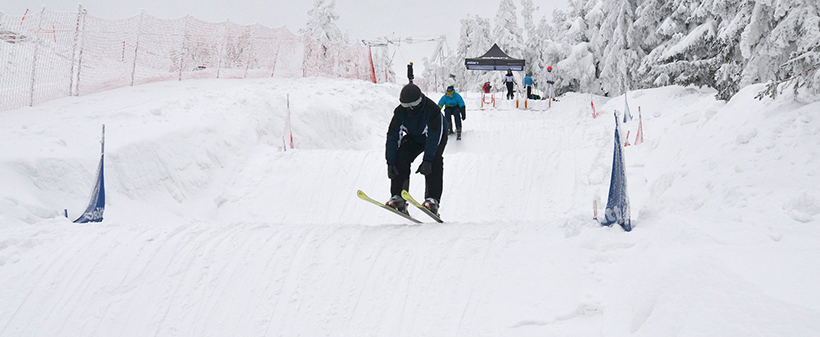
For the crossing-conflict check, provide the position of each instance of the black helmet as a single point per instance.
(410, 95)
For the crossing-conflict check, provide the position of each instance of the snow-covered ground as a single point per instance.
(211, 229)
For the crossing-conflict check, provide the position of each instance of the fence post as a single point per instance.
(222, 48)
(80, 55)
(250, 49)
(36, 51)
(276, 55)
(74, 51)
(182, 47)
(305, 42)
(136, 47)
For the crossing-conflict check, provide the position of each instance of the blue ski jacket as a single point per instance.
(527, 80)
(423, 125)
(456, 100)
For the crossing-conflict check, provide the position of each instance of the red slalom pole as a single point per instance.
(592, 104)
(639, 135)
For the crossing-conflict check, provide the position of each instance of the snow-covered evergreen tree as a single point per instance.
(621, 54)
(609, 46)
(533, 37)
(383, 65)
(569, 50)
(507, 33)
(475, 39)
(322, 21)
(775, 31)
(802, 71)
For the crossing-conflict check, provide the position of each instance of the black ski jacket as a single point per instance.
(423, 125)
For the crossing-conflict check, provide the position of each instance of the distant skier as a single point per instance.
(549, 90)
(417, 127)
(453, 105)
(528, 85)
(509, 80)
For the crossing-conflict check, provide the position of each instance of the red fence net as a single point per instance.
(47, 55)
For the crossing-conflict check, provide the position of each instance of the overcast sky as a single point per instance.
(360, 19)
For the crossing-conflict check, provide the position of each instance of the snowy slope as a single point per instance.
(212, 229)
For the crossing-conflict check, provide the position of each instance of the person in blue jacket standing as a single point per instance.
(528, 85)
(453, 105)
(417, 127)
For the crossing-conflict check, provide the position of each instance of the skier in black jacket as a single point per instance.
(417, 127)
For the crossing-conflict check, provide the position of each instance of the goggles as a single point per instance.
(412, 104)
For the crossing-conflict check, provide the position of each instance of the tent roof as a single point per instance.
(494, 59)
(495, 52)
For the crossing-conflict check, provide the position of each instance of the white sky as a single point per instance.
(360, 19)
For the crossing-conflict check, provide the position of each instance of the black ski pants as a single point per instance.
(408, 151)
(450, 112)
(510, 90)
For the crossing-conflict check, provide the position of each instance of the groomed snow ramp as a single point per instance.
(617, 206)
(96, 205)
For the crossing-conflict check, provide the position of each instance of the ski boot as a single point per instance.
(431, 205)
(458, 134)
(397, 203)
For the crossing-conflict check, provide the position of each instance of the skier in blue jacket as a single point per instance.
(453, 105)
(417, 127)
(528, 85)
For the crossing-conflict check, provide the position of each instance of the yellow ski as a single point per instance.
(391, 209)
(406, 196)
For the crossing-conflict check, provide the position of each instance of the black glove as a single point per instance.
(464, 113)
(425, 168)
(392, 172)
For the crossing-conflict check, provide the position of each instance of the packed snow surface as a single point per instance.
(212, 229)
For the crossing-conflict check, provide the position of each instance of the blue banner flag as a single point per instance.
(96, 205)
(617, 207)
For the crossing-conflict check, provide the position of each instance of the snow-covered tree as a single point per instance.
(383, 65)
(322, 22)
(683, 47)
(621, 54)
(474, 41)
(569, 50)
(533, 38)
(800, 27)
(507, 33)
(609, 46)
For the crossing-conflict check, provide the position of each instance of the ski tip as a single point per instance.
(406, 195)
(360, 194)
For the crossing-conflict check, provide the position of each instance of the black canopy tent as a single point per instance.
(494, 59)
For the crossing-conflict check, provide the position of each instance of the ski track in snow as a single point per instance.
(211, 229)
